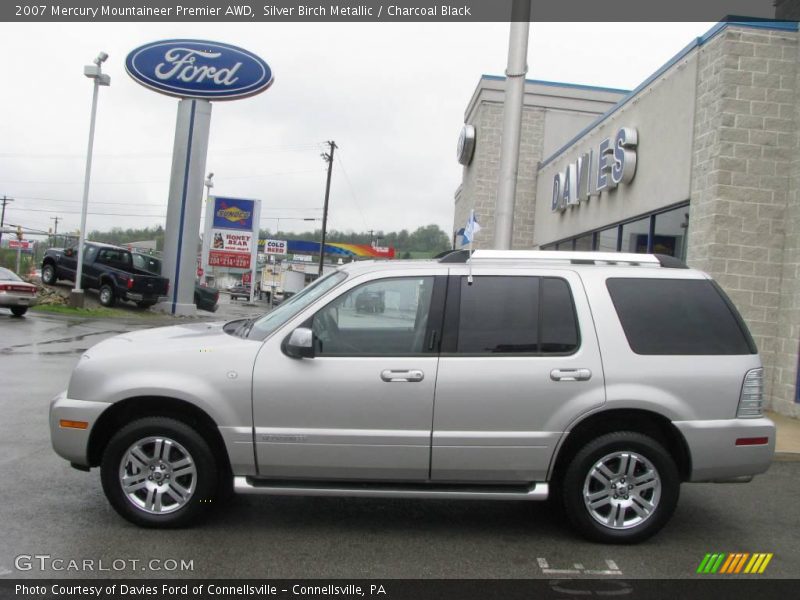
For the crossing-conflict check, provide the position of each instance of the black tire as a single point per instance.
(107, 297)
(18, 311)
(49, 274)
(206, 477)
(664, 496)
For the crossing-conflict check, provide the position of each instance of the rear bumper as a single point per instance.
(12, 299)
(68, 442)
(139, 297)
(715, 454)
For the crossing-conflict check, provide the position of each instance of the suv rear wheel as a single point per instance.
(159, 472)
(620, 488)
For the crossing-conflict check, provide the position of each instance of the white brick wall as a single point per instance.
(479, 184)
(742, 214)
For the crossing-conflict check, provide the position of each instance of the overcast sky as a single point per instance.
(392, 96)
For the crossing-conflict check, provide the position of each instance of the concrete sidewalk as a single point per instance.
(788, 433)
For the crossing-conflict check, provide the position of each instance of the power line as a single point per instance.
(154, 181)
(157, 204)
(352, 192)
(229, 151)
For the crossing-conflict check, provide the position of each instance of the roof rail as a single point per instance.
(453, 256)
(576, 258)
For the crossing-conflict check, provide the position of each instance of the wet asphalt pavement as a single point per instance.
(49, 509)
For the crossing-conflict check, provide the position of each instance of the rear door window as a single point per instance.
(514, 315)
(678, 317)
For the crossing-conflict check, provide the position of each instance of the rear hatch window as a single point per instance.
(679, 317)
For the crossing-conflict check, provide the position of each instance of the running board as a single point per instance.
(250, 485)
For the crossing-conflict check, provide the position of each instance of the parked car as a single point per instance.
(16, 294)
(371, 302)
(205, 298)
(107, 269)
(604, 380)
(239, 291)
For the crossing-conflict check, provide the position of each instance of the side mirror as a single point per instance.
(299, 344)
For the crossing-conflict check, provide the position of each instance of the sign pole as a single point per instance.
(254, 248)
(185, 204)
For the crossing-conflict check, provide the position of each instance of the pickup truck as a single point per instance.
(205, 298)
(108, 269)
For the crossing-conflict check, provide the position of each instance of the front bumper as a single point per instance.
(715, 455)
(68, 442)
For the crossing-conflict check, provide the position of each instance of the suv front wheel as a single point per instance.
(620, 488)
(159, 472)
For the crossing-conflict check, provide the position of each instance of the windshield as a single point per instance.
(271, 321)
(6, 275)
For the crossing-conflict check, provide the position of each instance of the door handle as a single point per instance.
(392, 376)
(570, 374)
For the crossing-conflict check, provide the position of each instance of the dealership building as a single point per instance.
(701, 161)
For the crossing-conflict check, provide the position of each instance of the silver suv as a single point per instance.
(601, 380)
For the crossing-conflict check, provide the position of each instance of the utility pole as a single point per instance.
(3, 216)
(55, 230)
(327, 156)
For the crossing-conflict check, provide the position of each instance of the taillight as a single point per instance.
(3, 288)
(130, 283)
(751, 400)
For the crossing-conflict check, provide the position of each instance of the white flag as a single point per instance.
(472, 227)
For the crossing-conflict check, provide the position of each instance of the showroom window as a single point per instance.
(657, 233)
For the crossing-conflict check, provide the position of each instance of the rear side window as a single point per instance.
(512, 315)
(678, 317)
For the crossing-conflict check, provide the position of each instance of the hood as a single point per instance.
(191, 337)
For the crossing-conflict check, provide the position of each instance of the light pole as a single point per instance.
(94, 72)
(209, 183)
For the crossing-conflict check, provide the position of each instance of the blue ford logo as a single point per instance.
(198, 69)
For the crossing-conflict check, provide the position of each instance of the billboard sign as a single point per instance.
(231, 238)
(198, 69)
(232, 213)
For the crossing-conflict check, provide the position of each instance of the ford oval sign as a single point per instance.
(198, 69)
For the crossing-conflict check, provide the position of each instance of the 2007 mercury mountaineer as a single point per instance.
(604, 380)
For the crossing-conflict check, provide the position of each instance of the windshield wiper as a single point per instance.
(247, 326)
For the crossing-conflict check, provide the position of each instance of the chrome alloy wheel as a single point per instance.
(157, 475)
(105, 295)
(622, 490)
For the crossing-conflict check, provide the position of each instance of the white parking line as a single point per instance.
(579, 569)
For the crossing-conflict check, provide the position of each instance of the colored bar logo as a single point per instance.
(734, 563)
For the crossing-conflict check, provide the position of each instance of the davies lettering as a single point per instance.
(604, 168)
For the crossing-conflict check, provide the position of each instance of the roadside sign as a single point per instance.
(246, 278)
(21, 244)
(275, 247)
(199, 272)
